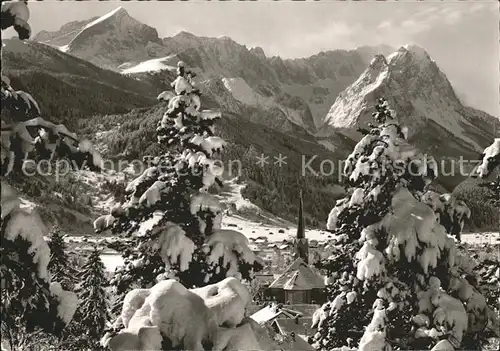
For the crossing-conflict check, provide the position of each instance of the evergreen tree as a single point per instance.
(171, 221)
(31, 302)
(490, 159)
(397, 278)
(490, 162)
(489, 269)
(92, 313)
(494, 186)
(59, 265)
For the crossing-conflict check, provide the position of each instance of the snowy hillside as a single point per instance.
(420, 93)
(244, 93)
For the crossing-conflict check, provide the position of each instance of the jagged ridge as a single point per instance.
(417, 89)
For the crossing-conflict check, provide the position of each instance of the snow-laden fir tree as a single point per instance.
(31, 300)
(488, 268)
(59, 263)
(491, 161)
(92, 313)
(172, 222)
(397, 279)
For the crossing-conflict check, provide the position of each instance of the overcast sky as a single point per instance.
(462, 37)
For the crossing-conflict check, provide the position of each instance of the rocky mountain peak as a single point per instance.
(259, 52)
(112, 37)
(378, 62)
(410, 55)
(184, 35)
(416, 88)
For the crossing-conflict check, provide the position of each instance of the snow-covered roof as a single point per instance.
(264, 278)
(299, 276)
(271, 312)
(289, 325)
(299, 344)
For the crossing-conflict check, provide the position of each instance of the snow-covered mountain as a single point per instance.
(106, 40)
(423, 98)
(298, 90)
(64, 35)
(291, 95)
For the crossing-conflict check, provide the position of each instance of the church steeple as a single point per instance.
(301, 243)
(300, 227)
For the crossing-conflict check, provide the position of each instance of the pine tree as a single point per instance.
(171, 221)
(59, 265)
(490, 162)
(92, 313)
(398, 279)
(31, 302)
(488, 269)
(490, 159)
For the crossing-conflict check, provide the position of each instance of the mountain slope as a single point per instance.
(68, 88)
(272, 188)
(62, 36)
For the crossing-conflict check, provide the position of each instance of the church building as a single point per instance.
(300, 283)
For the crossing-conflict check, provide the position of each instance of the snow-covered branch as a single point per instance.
(490, 159)
(164, 315)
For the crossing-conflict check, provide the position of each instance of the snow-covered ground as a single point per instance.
(102, 200)
(490, 238)
(241, 215)
(273, 233)
(244, 93)
(111, 261)
(245, 217)
(254, 222)
(154, 65)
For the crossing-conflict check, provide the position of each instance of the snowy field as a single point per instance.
(112, 259)
(256, 224)
(243, 215)
(273, 233)
(490, 238)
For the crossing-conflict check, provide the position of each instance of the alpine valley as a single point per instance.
(102, 75)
